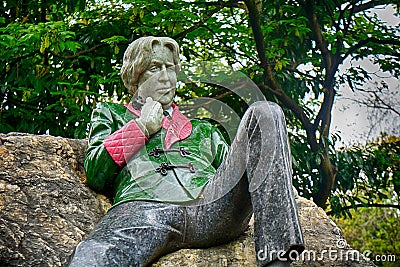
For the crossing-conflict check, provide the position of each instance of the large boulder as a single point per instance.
(46, 209)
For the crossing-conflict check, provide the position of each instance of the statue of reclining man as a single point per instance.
(175, 182)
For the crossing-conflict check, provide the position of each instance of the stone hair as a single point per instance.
(138, 55)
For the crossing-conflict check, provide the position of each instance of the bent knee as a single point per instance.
(266, 108)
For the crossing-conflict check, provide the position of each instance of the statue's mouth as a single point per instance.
(164, 90)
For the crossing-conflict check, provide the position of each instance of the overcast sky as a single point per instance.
(354, 122)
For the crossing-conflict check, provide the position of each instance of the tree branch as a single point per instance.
(83, 51)
(298, 111)
(302, 74)
(273, 85)
(383, 104)
(331, 16)
(323, 119)
(198, 24)
(370, 4)
(346, 24)
(331, 65)
(254, 18)
(237, 52)
(316, 29)
(16, 60)
(231, 3)
(370, 40)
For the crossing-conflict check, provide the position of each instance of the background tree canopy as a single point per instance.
(59, 59)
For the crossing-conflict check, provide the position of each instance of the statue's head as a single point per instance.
(143, 59)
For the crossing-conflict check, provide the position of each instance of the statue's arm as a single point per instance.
(114, 138)
(220, 147)
(99, 166)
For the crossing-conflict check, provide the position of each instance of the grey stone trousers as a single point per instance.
(254, 177)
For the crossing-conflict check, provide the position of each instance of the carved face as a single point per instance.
(159, 80)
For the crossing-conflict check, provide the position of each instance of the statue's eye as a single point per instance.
(155, 68)
(171, 68)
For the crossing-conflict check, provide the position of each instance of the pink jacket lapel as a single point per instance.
(178, 128)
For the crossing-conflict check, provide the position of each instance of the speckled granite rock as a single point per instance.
(46, 209)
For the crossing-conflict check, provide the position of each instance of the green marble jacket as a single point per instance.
(141, 175)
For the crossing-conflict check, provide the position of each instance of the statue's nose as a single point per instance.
(163, 74)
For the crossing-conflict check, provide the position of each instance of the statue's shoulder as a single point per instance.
(113, 112)
(207, 122)
(200, 122)
(109, 107)
(204, 124)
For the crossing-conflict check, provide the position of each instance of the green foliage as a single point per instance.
(51, 78)
(59, 59)
(375, 230)
(366, 198)
(369, 176)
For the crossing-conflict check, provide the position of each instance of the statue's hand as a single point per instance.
(151, 117)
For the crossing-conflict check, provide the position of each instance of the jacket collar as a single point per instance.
(178, 127)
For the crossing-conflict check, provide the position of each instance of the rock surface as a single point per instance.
(46, 209)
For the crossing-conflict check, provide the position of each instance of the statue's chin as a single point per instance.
(167, 106)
